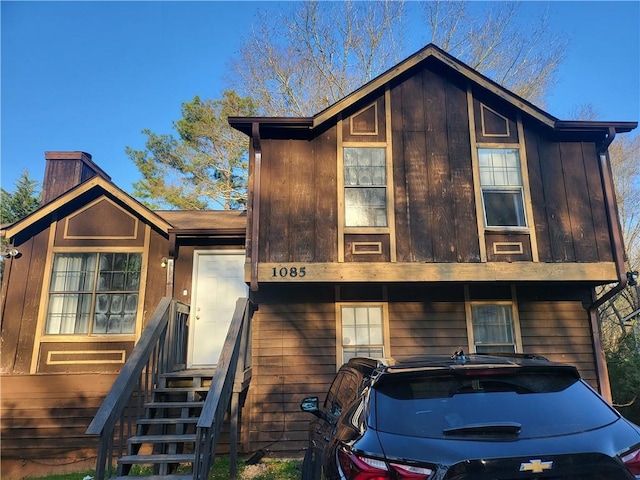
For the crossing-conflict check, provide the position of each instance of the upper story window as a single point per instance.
(93, 293)
(365, 187)
(502, 190)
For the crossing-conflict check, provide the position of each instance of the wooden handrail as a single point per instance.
(159, 349)
(219, 395)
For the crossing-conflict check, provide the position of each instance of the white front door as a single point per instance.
(218, 281)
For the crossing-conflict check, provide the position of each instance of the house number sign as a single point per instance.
(288, 272)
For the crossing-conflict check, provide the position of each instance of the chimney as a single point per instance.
(65, 170)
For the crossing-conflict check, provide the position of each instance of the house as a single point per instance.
(87, 271)
(428, 211)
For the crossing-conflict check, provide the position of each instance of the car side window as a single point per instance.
(332, 394)
(342, 393)
(348, 389)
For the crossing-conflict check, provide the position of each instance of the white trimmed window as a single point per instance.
(365, 187)
(493, 327)
(362, 331)
(502, 190)
(93, 293)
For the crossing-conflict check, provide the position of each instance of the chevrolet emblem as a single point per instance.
(535, 466)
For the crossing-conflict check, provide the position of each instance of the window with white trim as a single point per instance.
(365, 187)
(93, 293)
(502, 190)
(362, 331)
(493, 327)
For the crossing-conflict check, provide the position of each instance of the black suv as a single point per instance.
(467, 417)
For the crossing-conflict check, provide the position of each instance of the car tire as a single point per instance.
(310, 470)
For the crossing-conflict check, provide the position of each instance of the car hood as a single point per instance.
(610, 440)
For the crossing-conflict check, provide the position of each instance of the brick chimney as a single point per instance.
(65, 170)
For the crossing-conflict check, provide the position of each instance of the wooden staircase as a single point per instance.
(175, 435)
(164, 444)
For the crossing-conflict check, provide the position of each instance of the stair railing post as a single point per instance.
(233, 436)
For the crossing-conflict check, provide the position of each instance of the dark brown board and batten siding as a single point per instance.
(298, 206)
(568, 200)
(22, 302)
(434, 201)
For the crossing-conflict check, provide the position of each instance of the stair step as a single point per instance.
(173, 476)
(166, 421)
(202, 373)
(157, 459)
(180, 389)
(174, 405)
(163, 438)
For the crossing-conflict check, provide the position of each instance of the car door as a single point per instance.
(341, 395)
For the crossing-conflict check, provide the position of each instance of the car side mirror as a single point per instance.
(310, 405)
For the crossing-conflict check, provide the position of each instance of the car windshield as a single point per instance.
(526, 405)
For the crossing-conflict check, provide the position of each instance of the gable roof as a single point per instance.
(96, 182)
(431, 51)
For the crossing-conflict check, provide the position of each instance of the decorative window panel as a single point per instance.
(93, 293)
(365, 187)
(502, 191)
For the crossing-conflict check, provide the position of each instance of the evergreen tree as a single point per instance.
(14, 206)
(204, 165)
(24, 200)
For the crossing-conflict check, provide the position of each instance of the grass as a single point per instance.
(269, 469)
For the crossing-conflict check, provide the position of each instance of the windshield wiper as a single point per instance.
(485, 429)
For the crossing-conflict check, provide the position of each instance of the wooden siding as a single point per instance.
(559, 331)
(98, 222)
(65, 170)
(568, 200)
(44, 418)
(486, 112)
(294, 343)
(371, 122)
(293, 356)
(435, 217)
(24, 282)
(426, 328)
(24, 290)
(298, 206)
(434, 200)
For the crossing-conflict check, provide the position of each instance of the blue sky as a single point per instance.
(91, 75)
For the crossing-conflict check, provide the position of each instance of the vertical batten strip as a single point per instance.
(340, 192)
(527, 191)
(390, 179)
(476, 176)
(144, 268)
(44, 299)
(516, 320)
(469, 318)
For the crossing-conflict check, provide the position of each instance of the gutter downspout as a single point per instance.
(617, 244)
(255, 217)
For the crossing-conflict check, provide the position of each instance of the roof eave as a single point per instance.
(244, 124)
(93, 182)
(597, 126)
(453, 63)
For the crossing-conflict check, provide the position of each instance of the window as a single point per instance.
(493, 329)
(502, 192)
(342, 392)
(93, 293)
(362, 332)
(365, 187)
